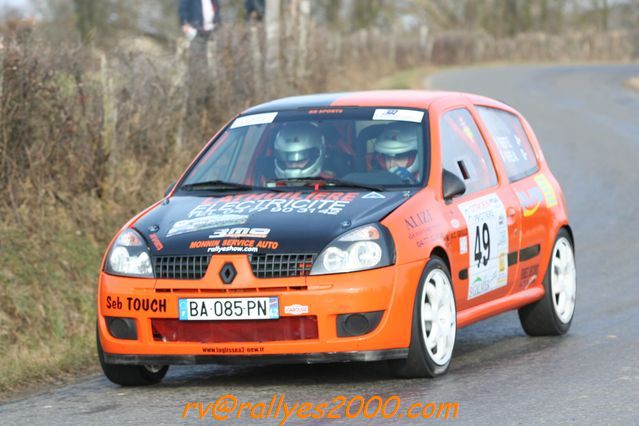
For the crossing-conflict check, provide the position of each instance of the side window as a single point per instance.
(511, 141)
(464, 151)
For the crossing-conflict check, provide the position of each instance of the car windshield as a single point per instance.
(372, 148)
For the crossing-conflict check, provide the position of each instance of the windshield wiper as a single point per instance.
(218, 185)
(328, 182)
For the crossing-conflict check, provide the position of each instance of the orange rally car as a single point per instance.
(341, 227)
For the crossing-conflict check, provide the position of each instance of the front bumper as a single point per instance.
(315, 358)
(391, 290)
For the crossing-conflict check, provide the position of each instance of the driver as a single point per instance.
(299, 151)
(396, 151)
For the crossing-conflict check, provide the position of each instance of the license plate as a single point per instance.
(244, 308)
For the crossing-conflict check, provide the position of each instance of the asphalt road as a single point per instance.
(588, 125)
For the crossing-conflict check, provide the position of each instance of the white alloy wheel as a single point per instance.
(563, 280)
(438, 316)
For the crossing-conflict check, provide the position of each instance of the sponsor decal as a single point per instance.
(199, 223)
(503, 261)
(156, 242)
(234, 245)
(328, 203)
(530, 199)
(547, 190)
(421, 228)
(373, 195)
(462, 236)
(488, 240)
(270, 245)
(528, 275)
(418, 219)
(233, 350)
(326, 111)
(296, 309)
(399, 115)
(463, 245)
(255, 119)
(241, 233)
(455, 234)
(139, 304)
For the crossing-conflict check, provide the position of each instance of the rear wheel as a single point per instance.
(434, 325)
(131, 375)
(552, 315)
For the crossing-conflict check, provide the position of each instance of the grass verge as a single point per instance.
(48, 276)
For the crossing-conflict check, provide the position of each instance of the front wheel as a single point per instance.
(552, 315)
(131, 375)
(434, 325)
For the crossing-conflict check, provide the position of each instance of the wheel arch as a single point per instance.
(441, 253)
(568, 229)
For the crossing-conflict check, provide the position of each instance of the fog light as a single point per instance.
(122, 328)
(357, 324)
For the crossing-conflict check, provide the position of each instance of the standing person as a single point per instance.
(198, 19)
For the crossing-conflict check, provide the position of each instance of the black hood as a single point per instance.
(261, 222)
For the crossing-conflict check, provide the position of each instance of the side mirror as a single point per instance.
(169, 189)
(452, 185)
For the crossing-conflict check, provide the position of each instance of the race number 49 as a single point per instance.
(482, 245)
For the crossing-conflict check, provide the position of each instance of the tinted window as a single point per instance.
(511, 141)
(464, 151)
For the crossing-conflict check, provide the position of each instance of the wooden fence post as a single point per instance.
(1, 66)
(256, 60)
(291, 33)
(109, 123)
(272, 18)
(179, 86)
(303, 42)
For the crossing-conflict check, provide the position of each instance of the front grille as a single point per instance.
(282, 329)
(181, 267)
(281, 265)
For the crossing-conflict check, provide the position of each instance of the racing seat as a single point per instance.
(339, 156)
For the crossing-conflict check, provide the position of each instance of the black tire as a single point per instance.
(420, 363)
(541, 318)
(130, 375)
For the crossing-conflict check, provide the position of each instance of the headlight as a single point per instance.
(366, 247)
(129, 256)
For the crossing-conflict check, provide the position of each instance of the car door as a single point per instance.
(534, 192)
(485, 220)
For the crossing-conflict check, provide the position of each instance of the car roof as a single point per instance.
(421, 99)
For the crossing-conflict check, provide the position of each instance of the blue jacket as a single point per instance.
(191, 12)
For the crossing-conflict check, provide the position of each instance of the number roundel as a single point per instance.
(488, 236)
